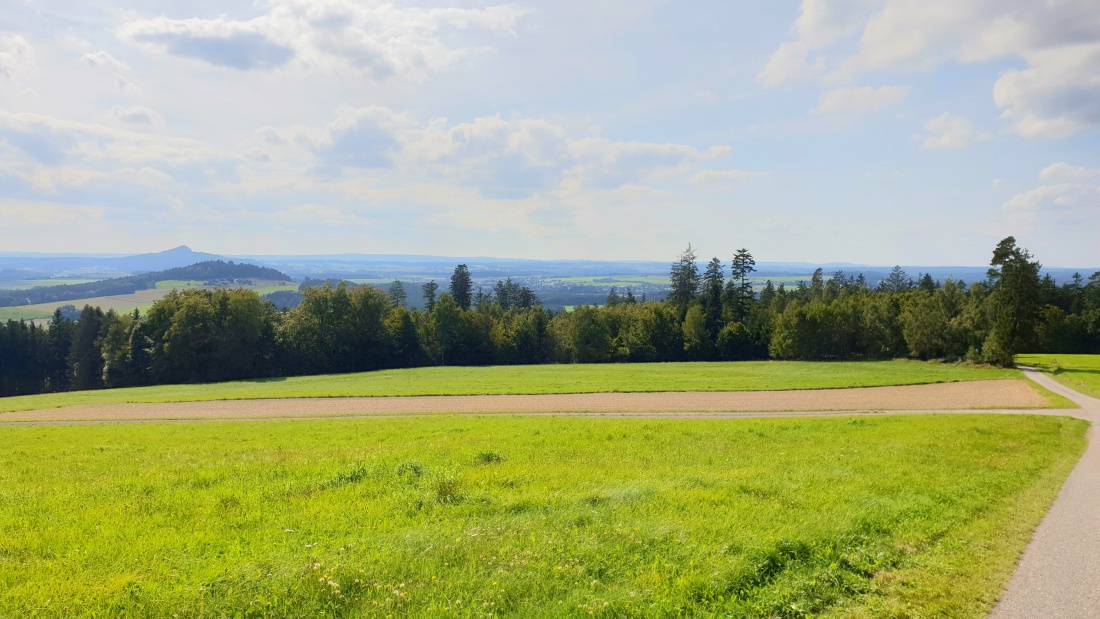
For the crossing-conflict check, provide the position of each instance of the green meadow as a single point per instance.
(1080, 372)
(535, 379)
(899, 516)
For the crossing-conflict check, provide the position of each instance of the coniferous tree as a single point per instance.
(713, 280)
(85, 360)
(397, 294)
(898, 281)
(817, 284)
(927, 284)
(528, 298)
(462, 287)
(482, 300)
(767, 294)
(613, 298)
(430, 289)
(741, 270)
(1014, 302)
(684, 278)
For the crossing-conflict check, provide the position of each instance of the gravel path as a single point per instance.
(990, 394)
(1058, 576)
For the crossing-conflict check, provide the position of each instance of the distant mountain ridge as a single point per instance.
(52, 264)
(402, 266)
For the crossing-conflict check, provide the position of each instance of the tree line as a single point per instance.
(201, 335)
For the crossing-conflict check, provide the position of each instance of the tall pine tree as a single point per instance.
(742, 268)
(462, 287)
(684, 278)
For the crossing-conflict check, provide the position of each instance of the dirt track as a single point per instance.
(994, 394)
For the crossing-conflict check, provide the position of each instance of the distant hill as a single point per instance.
(173, 258)
(55, 264)
(208, 271)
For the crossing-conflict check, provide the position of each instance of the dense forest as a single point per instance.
(203, 271)
(710, 314)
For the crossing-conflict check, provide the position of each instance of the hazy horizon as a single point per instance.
(870, 132)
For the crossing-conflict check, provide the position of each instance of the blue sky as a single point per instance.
(870, 131)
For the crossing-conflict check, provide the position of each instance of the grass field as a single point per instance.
(534, 379)
(1080, 372)
(904, 516)
(141, 300)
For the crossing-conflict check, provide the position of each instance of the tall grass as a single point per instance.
(905, 516)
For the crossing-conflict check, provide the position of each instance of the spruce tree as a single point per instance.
(712, 297)
(1013, 304)
(462, 287)
(397, 294)
(742, 268)
(430, 289)
(684, 278)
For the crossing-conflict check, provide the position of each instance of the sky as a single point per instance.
(867, 131)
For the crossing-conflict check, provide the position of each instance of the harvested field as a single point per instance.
(990, 394)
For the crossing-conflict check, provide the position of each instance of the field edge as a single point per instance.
(974, 564)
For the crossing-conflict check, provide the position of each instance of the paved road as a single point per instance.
(1058, 576)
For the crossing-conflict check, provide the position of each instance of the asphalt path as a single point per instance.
(1058, 576)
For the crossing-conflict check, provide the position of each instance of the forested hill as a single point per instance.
(211, 270)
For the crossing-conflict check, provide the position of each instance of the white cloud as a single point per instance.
(1058, 94)
(103, 60)
(377, 40)
(859, 100)
(950, 131)
(16, 57)
(820, 24)
(789, 62)
(110, 66)
(13, 213)
(137, 115)
(1069, 193)
(707, 177)
(1062, 171)
(45, 141)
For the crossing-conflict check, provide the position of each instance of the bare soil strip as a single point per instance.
(992, 394)
(1058, 576)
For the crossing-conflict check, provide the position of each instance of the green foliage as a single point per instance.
(462, 287)
(697, 343)
(397, 294)
(430, 289)
(684, 278)
(1013, 304)
(623, 518)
